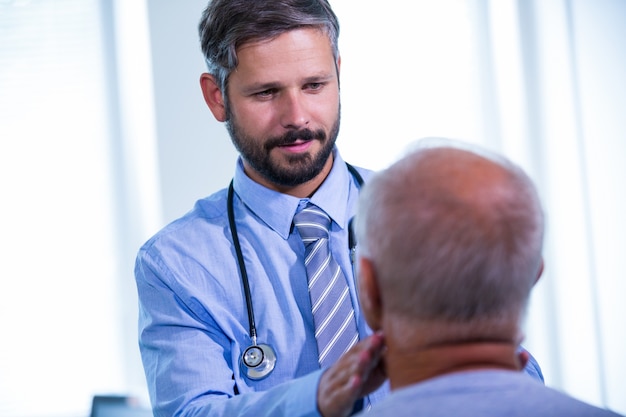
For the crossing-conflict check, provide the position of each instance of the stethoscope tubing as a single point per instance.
(267, 363)
(242, 266)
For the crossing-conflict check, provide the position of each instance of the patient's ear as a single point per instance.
(369, 293)
(540, 272)
(213, 96)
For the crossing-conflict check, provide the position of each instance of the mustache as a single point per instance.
(294, 135)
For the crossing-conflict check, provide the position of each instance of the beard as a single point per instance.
(300, 168)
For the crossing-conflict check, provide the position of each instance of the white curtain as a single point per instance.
(574, 61)
(72, 214)
(544, 83)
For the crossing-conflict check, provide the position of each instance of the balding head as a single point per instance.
(453, 236)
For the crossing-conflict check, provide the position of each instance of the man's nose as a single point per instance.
(293, 112)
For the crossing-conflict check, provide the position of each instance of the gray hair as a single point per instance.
(446, 252)
(227, 24)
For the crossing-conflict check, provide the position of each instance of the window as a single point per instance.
(65, 291)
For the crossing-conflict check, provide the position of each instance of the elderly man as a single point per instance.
(450, 246)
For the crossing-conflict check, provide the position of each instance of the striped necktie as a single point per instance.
(333, 314)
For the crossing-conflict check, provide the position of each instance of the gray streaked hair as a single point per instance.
(443, 254)
(227, 24)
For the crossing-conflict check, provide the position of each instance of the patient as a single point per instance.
(450, 246)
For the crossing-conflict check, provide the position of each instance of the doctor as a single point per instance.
(228, 325)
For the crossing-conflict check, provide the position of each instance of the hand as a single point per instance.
(357, 373)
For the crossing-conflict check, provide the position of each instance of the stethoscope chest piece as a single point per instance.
(257, 361)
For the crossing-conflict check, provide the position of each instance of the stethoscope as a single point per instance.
(258, 360)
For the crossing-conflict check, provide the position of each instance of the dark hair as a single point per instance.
(227, 24)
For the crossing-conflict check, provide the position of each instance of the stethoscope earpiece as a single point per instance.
(257, 361)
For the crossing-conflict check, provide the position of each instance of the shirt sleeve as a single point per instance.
(187, 361)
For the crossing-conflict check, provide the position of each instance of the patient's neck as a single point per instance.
(432, 350)
(406, 368)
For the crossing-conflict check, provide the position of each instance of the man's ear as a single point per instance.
(369, 293)
(213, 96)
(338, 67)
(540, 272)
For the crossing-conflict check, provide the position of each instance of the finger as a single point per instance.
(348, 379)
(370, 357)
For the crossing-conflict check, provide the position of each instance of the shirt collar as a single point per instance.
(277, 209)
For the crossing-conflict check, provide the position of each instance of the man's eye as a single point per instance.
(314, 86)
(265, 93)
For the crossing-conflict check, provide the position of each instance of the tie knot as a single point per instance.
(312, 223)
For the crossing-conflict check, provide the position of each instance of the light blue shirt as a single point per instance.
(193, 322)
(483, 393)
